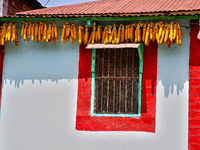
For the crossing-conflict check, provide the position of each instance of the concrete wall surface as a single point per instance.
(39, 97)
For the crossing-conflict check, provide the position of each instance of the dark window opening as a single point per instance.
(116, 81)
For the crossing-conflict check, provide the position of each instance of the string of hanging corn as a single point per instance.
(136, 33)
(111, 34)
(8, 32)
(39, 32)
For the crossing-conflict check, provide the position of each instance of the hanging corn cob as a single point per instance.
(132, 32)
(151, 30)
(139, 32)
(119, 34)
(114, 41)
(144, 31)
(86, 36)
(126, 33)
(110, 34)
(171, 31)
(8, 32)
(104, 35)
(147, 35)
(80, 35)
(99, 30)
(122, 33)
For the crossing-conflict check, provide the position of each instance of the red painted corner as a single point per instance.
(194, 90)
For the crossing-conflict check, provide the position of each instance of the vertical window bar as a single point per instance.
(108, 80)
(102, 83)
(114, 82)
(126, 90)
(132, 81)
(96, 82)
(120, 82)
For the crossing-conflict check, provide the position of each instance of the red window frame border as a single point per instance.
(145, 123)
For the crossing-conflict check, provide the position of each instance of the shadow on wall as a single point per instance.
(40, 61)
(173, 65)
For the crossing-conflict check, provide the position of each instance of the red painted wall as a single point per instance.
(148, 112)
(194, 89)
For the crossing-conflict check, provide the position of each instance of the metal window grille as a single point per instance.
(116, 81)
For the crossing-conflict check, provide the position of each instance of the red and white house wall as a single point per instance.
(46, 96)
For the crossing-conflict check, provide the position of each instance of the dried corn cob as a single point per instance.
(122, 33)
(147, 35)
(119, 35)
(86, 35)
(126, 34)
(63, 36)
(99, 30)
(167, 34)
(144, 31)
(80, 35)
(132, 32)
(171, 31)
(75, 32)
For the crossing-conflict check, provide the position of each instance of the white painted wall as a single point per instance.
(39, 101)
(3, 8)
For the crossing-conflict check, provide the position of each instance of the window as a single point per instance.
(145, 121)
(116, 90)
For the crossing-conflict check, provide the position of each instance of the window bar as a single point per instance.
(132, 81)
(102, 83)
(120, 81)
(114, 82)
(96, 82)
(126, 81)
(108, 80)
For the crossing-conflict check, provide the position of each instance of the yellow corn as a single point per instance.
(86, 35)
(90, 40)
(144, 31)
(122, 33)
(80, 38)
(63, 32)
(104, 35)
(119, 35)
(162, 35)
(166, 34)
(147, 35)
(99, 33)
(171, 31)
(75, 32)
(22, 31)
(13, 32)
(126, 34)
(174, 32)
(49, 32)
(139, 33)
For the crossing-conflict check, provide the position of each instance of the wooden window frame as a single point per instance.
(93, 68)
